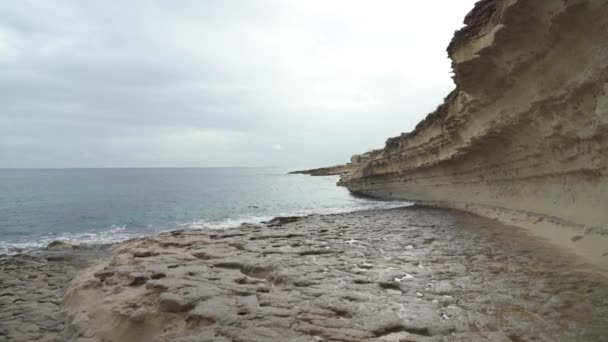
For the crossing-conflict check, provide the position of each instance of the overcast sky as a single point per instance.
(290, 83)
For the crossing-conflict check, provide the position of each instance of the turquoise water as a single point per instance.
(111, 205)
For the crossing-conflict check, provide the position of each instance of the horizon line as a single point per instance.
(139, 167)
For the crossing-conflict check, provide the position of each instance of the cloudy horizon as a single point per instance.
(282, 83)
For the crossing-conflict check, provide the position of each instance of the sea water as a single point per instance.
(110, 205)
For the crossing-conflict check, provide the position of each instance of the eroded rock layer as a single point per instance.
(526, 129)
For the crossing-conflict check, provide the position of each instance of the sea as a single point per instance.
(101, 206)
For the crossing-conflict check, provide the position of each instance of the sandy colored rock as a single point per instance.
(170, 302)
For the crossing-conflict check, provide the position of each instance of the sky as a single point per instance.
(218, 83)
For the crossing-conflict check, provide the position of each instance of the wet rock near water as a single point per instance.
(60, 246)
(281, 220)
(411, 274)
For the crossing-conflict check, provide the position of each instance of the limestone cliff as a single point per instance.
(525, 132)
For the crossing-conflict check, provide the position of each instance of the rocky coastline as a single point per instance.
(338, 170)
(525, 130)
(32, 286)
(524, 136)
(522, 141)
(406, 274)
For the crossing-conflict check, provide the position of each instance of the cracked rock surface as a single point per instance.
(31, 290)
(408, 274)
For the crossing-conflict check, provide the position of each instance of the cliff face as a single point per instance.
(525, 132)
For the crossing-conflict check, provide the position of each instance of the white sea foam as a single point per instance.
(236, 222)
(223, 224)
(112, 235)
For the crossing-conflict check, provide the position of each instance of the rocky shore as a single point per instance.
(32, 287)
(407, 274)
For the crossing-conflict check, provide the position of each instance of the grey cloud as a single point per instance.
(191, 83)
